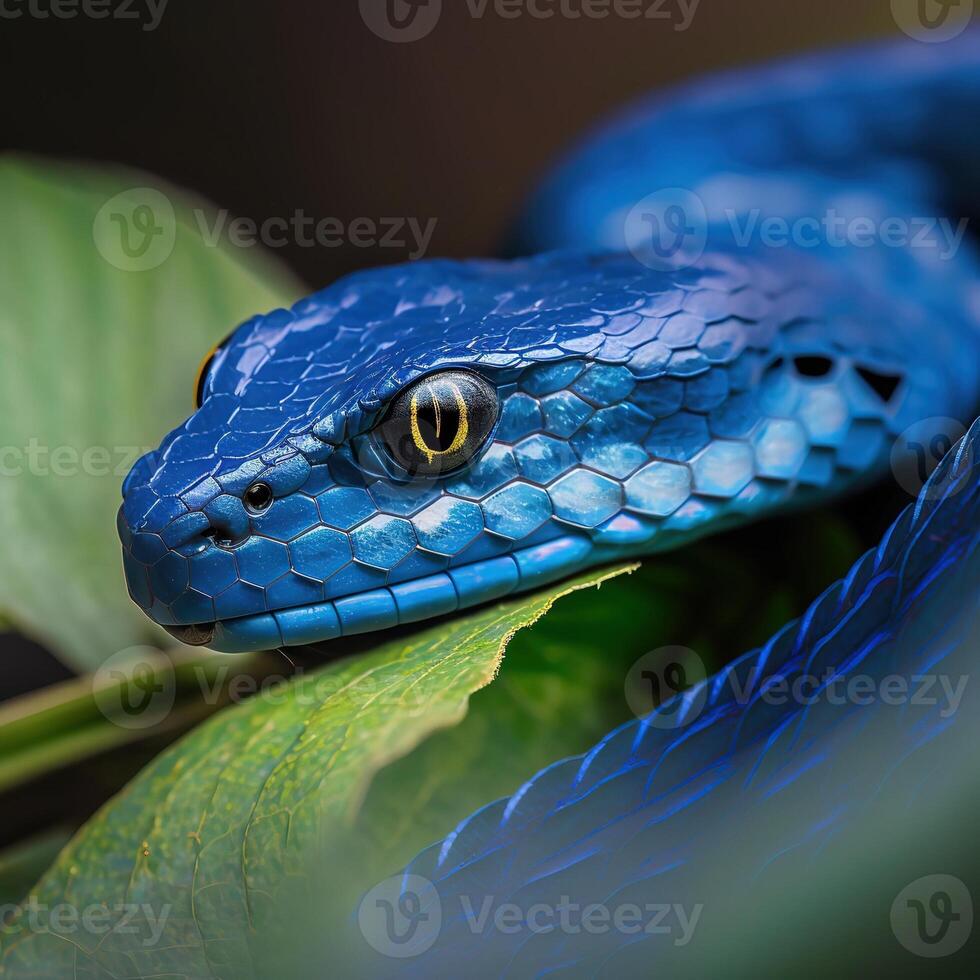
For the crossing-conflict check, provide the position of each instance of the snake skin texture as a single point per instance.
(732, 795)
(732, 807)
(638, 407)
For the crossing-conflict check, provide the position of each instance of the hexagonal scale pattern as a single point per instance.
(658, 489)
(517, 510)
(449, 525)
(723, 469)
(586, 498)
(542, 458)
(320, 553)
(632, 402)
(383, 541)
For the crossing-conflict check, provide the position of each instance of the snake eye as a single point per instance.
(258, 498)
(438, 424)
(202, 372)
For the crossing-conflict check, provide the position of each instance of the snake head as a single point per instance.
(415, 440)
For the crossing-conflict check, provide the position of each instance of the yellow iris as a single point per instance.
(462, 430)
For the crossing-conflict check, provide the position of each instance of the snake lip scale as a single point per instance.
(418, 600)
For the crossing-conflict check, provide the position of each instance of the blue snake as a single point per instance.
(416, 440)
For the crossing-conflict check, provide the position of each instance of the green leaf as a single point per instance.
(561, 689)
(273, 818)
(211, 837)
(100, 350)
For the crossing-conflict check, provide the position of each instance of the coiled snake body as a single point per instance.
(415, 440)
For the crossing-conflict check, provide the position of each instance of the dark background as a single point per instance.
(269, 108)
(265, 108)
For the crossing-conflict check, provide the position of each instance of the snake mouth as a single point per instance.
(396, 605)
(195, 635)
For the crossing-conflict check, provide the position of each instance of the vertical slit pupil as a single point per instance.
(438, 418)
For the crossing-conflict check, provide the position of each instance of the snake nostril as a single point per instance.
(220, 538)
(193, 532)
(221, 533)
(215, 535)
